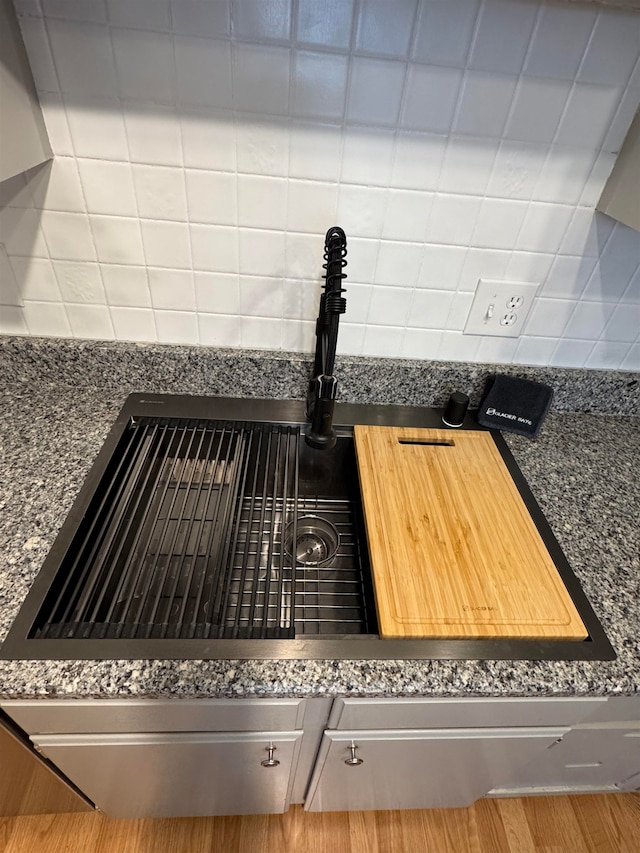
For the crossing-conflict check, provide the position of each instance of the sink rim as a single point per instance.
(18, 646)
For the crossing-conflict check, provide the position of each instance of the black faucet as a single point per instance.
(321, 396)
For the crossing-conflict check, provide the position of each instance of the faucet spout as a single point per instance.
(323, 386)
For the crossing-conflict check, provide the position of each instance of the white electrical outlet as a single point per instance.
(500, 308)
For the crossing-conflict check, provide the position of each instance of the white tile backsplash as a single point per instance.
(202, 149)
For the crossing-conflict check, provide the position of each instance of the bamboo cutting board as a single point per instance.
(454, 551)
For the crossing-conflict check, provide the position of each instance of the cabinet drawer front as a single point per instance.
(444, 768)
(179, 775)
(419, 713)
(148, 715)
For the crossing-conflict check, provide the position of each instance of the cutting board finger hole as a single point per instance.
(426, 443)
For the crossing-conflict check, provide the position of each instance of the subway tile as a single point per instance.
(261, 78)
(117, 239)
(254, 19)
(79, 282)
(607, 355)
(588, 320)
(564, 174)
(549, 317)
(90, 321)
(203, 72)
(11, 285)
(568, 276)
(97, 130)
(559, 41)
(154, 135)
(303, 254)
(500, 350)
(459, 311)
(483, 263)
(83, 57)
(361, 258)
(407, 215)
(133, 324)
(484, 103)
(588, 115)
(172, 289)
(326, 24)
(311, 206)
(544, 227)
(632, 359)
(217, 293)
(261, 297)
(219, 330)
(47, 319)
(613, 49)
(441, 267)
(166, 244)
(68, 235)
(502, 36)
(596, 179)
(176, 327)
(126, 286)
(358, 302)
(529, 266)
(261, 332)
(315, 152)
(144, 65)
(108, 187)
(398, 263)
(201, 17)
(57, 126)
(390, 306)
(21, 232)
(454, 346)
(262, 202)
(367, 157)
(587, 233)
(632, 293)
(261, 252)
(443, 32)
(430, 309)
(143, 14)
(499, 223)
(421, 343)
(430, 98)
(361, 210)
(319, 85)
(351, 338)
(262, 146)
(208, 140)
(35, 279)
(467, 166)
(537, 109)
(453, 219)
(385, 28)
(160, 192)
(418, 160)
(375, 91)
(624, 115)
(56, 186)
(214, 248)
(212, 197)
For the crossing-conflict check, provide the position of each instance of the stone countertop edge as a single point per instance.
(59, 399)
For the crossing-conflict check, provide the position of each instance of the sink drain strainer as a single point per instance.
(316, 541)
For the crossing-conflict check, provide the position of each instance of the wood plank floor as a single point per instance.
(579, 824)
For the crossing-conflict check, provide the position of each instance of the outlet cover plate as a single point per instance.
(492, 310)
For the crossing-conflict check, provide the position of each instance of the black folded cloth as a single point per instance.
(515, 405)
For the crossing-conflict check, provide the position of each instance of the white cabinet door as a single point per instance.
(586, 759)
(419, 769)
(178, 774)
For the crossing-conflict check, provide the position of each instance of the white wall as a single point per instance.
(203, 147)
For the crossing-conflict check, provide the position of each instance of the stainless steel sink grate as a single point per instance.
(185, 539)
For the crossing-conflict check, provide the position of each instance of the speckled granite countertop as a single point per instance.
(583, 470)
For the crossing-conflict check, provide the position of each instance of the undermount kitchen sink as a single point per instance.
(208, 528)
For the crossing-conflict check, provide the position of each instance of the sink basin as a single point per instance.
(207, 528)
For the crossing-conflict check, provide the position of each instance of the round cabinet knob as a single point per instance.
(270, 761)
(353, 760)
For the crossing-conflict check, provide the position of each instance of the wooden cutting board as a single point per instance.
(454, 551)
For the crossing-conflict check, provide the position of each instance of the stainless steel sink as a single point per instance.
(207, 528)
